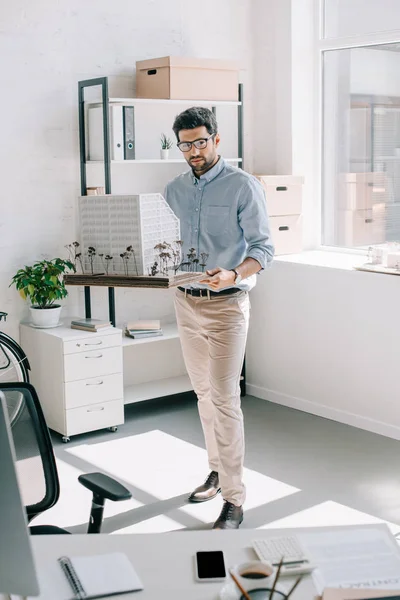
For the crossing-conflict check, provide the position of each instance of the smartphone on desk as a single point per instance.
(210, 566)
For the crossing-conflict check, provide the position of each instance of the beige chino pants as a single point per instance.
(213, 334)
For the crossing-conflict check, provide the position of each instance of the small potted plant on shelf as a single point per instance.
(166, 145)
(43, 284)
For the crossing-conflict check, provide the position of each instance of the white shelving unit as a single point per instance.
(152, 367)
(157, 389)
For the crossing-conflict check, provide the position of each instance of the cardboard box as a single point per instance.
(283, 194)
(392, 260)
(287, 234)
(361, 227)
(362, 190)
(184, 78)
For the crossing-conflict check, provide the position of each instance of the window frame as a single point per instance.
(323, 45)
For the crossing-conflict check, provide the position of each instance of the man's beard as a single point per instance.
(202, 163)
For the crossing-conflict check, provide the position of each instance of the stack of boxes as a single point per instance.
(361, 214)
(284, 206)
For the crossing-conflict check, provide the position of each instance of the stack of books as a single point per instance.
(90, 324)
(143, 329)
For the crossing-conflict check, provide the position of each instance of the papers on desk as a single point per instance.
(360, 559)
(347, 594)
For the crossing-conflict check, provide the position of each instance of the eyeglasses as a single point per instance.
(200, 144)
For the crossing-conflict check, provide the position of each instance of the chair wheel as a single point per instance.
(113, 429)
(65, 439)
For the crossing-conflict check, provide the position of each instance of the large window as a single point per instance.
(360, 131)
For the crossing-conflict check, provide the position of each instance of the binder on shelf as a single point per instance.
(122, 133)
(128, 118)
(117, 133)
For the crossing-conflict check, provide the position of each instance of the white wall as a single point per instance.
(272, 121)
(324, 340)
(285, 135)
(305, 120)
(47, 47)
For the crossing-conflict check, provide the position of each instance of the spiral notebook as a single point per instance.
(99, 575)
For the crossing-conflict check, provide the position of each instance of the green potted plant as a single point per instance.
(166, 145)
(43, 284)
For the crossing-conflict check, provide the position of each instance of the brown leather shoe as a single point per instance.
(208, 490)
(230, 518)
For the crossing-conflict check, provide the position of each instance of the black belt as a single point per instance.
(199, 293)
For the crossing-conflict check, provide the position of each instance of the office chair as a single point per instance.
(37, 469)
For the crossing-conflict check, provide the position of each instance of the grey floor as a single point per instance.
(340, 474)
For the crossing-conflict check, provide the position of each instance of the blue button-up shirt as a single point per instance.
(223, 214)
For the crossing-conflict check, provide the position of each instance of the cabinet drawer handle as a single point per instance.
(94, 343)
(95, 409)
(97, 383)
(98, 356)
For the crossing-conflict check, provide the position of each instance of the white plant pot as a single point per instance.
(45, 317)
(164, 154)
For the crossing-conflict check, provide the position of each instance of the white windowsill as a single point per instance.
(325, 258)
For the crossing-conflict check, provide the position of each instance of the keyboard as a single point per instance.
(295, 559)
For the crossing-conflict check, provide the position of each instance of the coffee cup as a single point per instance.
(257, 577)
(264, 594)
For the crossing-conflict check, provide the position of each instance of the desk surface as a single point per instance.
(164, 562)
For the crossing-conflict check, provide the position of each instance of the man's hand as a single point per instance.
(218, 278)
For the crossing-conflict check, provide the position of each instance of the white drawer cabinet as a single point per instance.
(98, 342)
(78, 377)
(93, 390)
(94, 416)
(92, 363)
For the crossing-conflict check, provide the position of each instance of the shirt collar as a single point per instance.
(212, 173)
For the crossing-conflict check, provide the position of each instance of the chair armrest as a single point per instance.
(105, 486)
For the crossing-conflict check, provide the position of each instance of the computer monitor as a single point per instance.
(17, 567)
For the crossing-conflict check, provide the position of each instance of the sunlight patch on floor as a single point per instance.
(325, 514)
(73, 506)
(160, 464)
(165, 466)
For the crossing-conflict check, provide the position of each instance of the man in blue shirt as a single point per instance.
(223, 217)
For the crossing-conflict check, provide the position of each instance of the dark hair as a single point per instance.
(196, 116)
